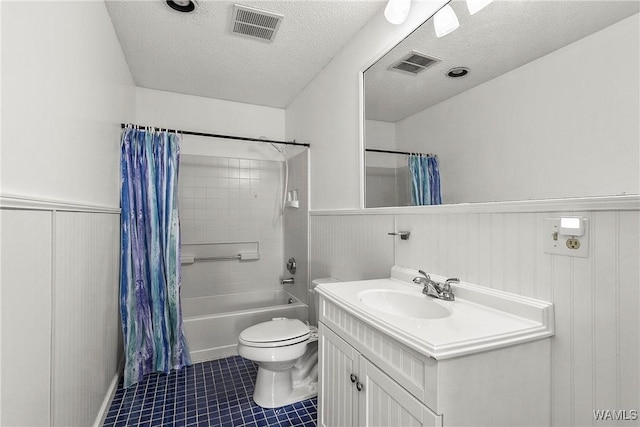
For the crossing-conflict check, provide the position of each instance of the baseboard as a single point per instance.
(108, 398)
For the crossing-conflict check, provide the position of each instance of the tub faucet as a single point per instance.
(287, 281)
(434, 289)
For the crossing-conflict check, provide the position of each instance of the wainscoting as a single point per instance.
(595, 357)
(60, 327)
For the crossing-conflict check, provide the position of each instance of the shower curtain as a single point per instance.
(150, 254)
(424, 173)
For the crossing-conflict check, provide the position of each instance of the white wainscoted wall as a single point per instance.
(60, 321)
(595, 357)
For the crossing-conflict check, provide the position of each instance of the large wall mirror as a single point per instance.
(525, 100)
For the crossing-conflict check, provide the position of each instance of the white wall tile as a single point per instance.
(217, 206)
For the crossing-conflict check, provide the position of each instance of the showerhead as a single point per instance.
(280, 150)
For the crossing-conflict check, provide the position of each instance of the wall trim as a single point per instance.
(11, 201)
(108, 398)
(605, 203)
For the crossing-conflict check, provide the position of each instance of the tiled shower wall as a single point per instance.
(595, 360)
(224, 200)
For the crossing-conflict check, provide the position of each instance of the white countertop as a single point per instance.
(481, 318)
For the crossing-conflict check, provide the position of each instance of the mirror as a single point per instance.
(548, 109)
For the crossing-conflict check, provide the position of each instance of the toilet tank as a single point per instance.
(313, 298)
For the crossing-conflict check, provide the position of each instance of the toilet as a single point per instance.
(286, 351)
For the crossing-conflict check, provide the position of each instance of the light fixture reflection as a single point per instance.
(475, 5)
(396, 11)
(445, 21)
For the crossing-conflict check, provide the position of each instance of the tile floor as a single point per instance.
(215, 393)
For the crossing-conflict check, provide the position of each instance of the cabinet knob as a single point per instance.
(359, 386)
(354, 378)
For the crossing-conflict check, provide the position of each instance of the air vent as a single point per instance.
(414, 63)
(255, 23)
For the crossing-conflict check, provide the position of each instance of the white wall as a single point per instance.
(66, 89)
(327, 113)
(217, 116)
(564, 125)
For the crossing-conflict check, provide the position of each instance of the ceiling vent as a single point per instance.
(255, 23)
(414, 63)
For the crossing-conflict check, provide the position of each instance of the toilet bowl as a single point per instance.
(281, 347)
(286, 352)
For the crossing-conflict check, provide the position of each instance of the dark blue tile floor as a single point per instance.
(216, 393)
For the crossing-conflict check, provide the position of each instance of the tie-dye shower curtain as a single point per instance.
(150, 254)
(424, 173)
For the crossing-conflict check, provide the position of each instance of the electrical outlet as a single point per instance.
(573, 243)
(560, 244)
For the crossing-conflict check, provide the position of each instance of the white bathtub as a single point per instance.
(212, 324)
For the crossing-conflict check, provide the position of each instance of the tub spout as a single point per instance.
(287, 281)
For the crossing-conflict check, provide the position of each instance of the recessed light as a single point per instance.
(458, 72)
(182, 5)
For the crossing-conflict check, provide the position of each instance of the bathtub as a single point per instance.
(212, 324)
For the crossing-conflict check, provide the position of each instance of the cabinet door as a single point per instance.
(383, 402)
(337, 394)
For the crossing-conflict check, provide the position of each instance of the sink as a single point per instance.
(405, 304)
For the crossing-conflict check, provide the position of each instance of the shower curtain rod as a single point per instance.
(406, 153)
(214, 135)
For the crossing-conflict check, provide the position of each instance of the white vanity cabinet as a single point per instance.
(396, 385)
(354, 392)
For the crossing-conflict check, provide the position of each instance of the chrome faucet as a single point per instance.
(434, 289)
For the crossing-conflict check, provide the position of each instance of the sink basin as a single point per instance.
(405, 304)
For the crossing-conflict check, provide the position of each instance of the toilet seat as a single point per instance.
(278, 332)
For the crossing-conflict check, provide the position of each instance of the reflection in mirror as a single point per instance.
(541, 102)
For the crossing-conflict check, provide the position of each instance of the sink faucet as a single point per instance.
(435, 289)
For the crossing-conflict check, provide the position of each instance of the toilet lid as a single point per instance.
(275, 333)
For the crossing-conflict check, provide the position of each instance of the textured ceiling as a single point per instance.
(195, 53)
(499, 38)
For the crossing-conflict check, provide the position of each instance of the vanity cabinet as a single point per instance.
(354, 392)
(369, 378)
